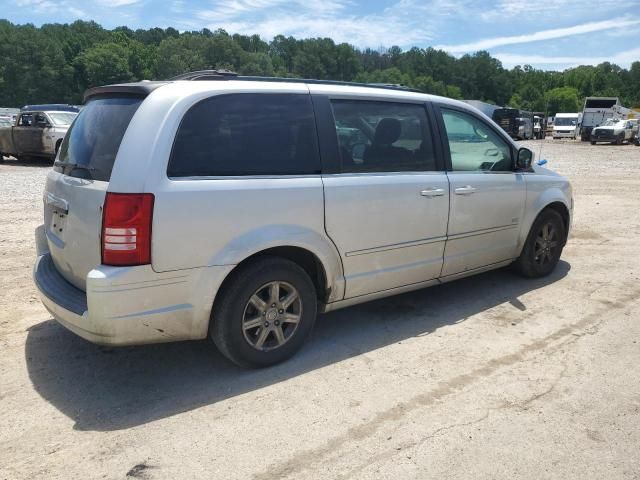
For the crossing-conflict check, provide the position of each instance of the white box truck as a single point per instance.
(566, 125)
(598, 110)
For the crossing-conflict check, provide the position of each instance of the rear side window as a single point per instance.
(26, 120)
(382, 136)
(89, 149)
(247, 134)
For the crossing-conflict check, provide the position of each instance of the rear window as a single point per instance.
(89, 149)
(247, 134)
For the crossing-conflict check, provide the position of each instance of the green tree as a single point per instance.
(57, 62)
(562, 100)
(103, 64)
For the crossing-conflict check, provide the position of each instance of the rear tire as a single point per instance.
(263, 313)
(543, 247)
(592, 142)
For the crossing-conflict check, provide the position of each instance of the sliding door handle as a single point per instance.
(432, 192)
(466, 190)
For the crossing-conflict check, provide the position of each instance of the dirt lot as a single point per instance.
(489, 377)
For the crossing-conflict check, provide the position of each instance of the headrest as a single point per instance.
(388, 131)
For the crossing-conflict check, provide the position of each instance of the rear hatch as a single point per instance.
(76, 188)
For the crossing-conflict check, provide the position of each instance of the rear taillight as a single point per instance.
(126, 229)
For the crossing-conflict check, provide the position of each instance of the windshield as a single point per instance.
(62, 118)
(611, 122)
(94, 138)
(566, 121)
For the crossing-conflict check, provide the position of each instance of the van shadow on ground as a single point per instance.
(26, 162)
(111, 389)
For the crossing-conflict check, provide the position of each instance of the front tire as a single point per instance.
(543, 247)
(264, 312)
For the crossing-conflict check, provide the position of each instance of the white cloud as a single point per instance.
(38, 5)
(50, 7)
(487, 43)
(373, 32)
(404, 23)
(117, 3)
(76, 12)
(550, 9)
(623, 59)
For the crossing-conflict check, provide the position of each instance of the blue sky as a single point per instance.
(549, 34)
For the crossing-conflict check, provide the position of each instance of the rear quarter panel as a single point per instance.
(207, 222)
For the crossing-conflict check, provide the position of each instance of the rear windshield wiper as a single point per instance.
(58, 163)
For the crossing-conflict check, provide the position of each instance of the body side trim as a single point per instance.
(395, 246)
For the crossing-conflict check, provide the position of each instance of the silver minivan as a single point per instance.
(237, 208)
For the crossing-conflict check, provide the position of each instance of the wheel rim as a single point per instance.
(546, 245)
(271, 316)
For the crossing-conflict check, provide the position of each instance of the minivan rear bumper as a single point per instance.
(131, 305)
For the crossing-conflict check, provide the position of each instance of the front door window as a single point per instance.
(474, 145)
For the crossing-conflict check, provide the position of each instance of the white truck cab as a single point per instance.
(566, 125)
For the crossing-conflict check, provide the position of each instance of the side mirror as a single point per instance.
(525, 159)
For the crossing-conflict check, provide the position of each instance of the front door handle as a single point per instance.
(466, 190)
(433, 192)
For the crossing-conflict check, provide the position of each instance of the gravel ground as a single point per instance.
(489, 377)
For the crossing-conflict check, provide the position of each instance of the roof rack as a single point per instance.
(219, 74)
(223, 74)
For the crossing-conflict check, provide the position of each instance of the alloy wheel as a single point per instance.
(546, 244)
(271, 315)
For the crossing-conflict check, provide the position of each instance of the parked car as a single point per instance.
(613, 131)
(525, 128)
(517, 123)
(539, 126)
(231, 208)
(636, 131)
(35, 133)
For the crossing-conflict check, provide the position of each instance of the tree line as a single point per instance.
(55, 63)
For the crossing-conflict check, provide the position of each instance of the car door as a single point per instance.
(487, 195)
(38, 134)
(22, 133)
(386, 202)
(628, 131)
